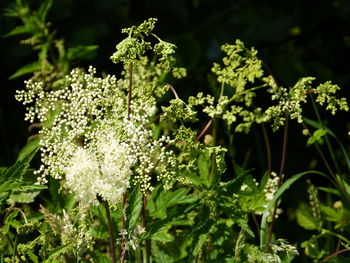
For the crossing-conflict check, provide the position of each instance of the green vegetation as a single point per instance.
(128, 170)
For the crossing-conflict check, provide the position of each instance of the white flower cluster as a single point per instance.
(89, 141)
(106, 175)
(151, 155)
(271, 186)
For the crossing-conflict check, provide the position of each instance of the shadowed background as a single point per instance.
(295, 39)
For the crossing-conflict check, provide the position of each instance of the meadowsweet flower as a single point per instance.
(90, 143)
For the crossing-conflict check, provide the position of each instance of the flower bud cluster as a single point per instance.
(89, 141)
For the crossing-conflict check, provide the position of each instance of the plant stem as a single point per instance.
(280, 176)
(330, 149)
(204, 129)
(335, 254)
(268, 149)
(122, 254)
(110, 233)
(123, 230)
(130, 89)
(213, 157)
(144, 224)
(326, 231)
(12, 246)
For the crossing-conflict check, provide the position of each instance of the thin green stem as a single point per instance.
(130, 89)
(268, 149)
(280, 176)
(213, 157)
(144, 225)
(323, 157)
(330, 149)
(123, 230)
(326, 231)
(110, 233)
(123, 248)
(245, 92)
(12, 246)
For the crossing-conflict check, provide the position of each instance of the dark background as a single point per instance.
(294, 38)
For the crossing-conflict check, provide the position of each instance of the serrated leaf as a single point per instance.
(320, 126)
(204, 164)
(6, 227)
(29, 187)
(80, 52)
(35, 66)
(160, 256)
(33, 257)
(58, 251)
(162, 235)
(330, 213)
(244, 225)
(199, 244)
(100, 258)
(307, 220)
(24, 29)
(43, 9)
(28, 148)
(8, 185)
(22, 197)
(165, 199)
(20, 166)
(133, 209)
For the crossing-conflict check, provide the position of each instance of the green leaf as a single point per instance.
(34, 258)
(202, 225)
(281, 190)
(22, 197)
(204, 164)
(330, 213)
(20, 166)
(35, 66)
(8, 222)
(320, 126)
(165, 199)
(24, 29)
(317, 137)
(329, 190)
(162, 235)
(244, 225)
(307, 220)
(58, 251)
(81, 52)
(43, 9)
(199, 244)
(28, 148)
(133, 209)
(99, 257)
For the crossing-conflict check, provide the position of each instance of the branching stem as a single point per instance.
(110, 233)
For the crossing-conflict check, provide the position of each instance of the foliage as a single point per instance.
(129, 174)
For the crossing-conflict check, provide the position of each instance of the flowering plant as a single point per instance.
(135, 173)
